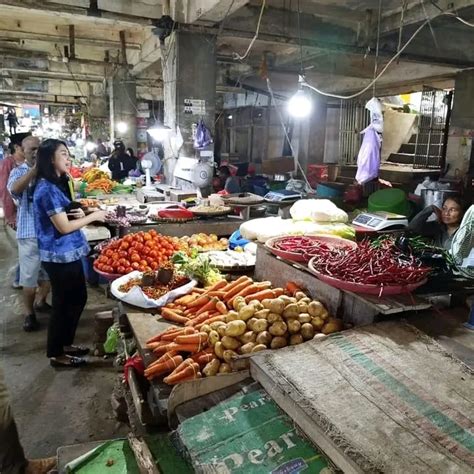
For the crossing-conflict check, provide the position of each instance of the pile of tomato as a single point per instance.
(143, 251)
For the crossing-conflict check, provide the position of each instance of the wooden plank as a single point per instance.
(143, 455)
(184, 392)
(141, 405)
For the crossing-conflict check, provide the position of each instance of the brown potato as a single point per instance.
(206, 328)
(266, 303)
(299, 295)
(307, 331)
(259, 347)
(302, 307)
(294, 326)
(315, 308)
(231, 316)
(260, 325)
(211, 368)
(296, 339)
(262, 314)
(216, 324)
(221, 330)
(238, 302)
(246, 312)
(273, 318)
(264, 338)
(291, 311)
(277, 306)
(213, 337)
(324, 315)
(248, 336)
(225, 368)
(251, 322)
(317, 323)
(333, 325)
(256, 304)
(278, 342)
(230, 343)
(304, 318)
(230, 355)
(235, 328)
(219, 350)
(247, 348)
(278, 329)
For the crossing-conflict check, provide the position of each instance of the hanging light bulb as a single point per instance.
(122, 127)
(300, 105)
(159, 132)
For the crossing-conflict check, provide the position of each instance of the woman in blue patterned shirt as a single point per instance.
(62, 245)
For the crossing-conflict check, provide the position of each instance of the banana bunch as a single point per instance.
(94, 174)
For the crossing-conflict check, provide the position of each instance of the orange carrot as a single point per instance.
(201, 301)
(172, 336)
(154, 345)
(198, 319)
(250, 290)
(221, 307)
(278, 292)
(199, 290)
(207, 351)
(170, 315)
(163, 358)
(208, 306)
(216, 286)
(261, 295)
(195, 376)
(197, 338)
(164, 367)
(237, 289)
(174, 346)
(161, 334)
(232, 284)
(205, 359)
(217, 294)
(189, 371)
(292, 288)
(186, 299)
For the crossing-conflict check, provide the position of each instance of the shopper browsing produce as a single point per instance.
(121, 163)
(61, 246)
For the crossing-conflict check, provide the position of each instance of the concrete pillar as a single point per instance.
(313, 134)
(123, 107)
(189, 73)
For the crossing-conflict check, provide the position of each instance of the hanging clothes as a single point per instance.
(368, 159)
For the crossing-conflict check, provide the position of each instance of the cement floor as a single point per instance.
(52, 407)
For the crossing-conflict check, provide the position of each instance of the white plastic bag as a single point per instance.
(317, 210)
(136, 297)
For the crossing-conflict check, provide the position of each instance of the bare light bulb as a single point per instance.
(300, 105)
(159, 132)
(122, 127)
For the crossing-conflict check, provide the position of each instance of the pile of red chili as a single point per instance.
(301, 245)
(382, 264)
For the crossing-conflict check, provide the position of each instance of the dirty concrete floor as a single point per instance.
(52, 407)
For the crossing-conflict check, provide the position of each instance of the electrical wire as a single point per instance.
(376, 62)
(237, 55)
(379, 75)
(270, 90)
(462, 20)
(299, 37)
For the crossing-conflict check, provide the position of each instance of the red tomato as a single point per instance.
(135, 265)
(153, 253)
(129, 270)
(145, 251)
(135, 257)
(108, 253)
(139, 247)
(154, 265)
(121, 270)
(150, 260)
(143, 263)
(142, 268)
(150, 243)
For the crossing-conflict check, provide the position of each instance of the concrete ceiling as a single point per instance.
(64, 50)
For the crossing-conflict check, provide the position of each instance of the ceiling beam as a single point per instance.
(68, 13)
(149, 54)
(209, 11)
(63, 39)
(419, 12)
(32, 73)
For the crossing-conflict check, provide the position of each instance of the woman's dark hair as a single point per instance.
(44, 160)
(462, 203)
(224, 170)
(45, 166)
(131, 152)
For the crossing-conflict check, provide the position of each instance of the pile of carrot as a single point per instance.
(212, 304)
(183, 351)
(170, 346)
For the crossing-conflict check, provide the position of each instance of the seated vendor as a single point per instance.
(230, 183)
(442, 230)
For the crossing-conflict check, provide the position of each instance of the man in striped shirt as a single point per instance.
(32, 276)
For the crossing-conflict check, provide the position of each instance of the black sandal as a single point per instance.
(77, 351)
(73, 363)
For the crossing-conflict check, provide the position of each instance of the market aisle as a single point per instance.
(52, 407)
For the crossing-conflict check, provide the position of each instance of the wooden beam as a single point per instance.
(211, 11)
(72, 43)
(123, 47)
(419, 11)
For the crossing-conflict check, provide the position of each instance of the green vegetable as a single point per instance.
(198, 267)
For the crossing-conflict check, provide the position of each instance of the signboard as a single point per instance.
(194, 106)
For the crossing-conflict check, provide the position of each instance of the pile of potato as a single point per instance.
(267, 324)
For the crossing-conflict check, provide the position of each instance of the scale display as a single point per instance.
(282, 195)
(380, 220)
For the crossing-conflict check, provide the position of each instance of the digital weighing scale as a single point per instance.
(377, 221)
(282, 195)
